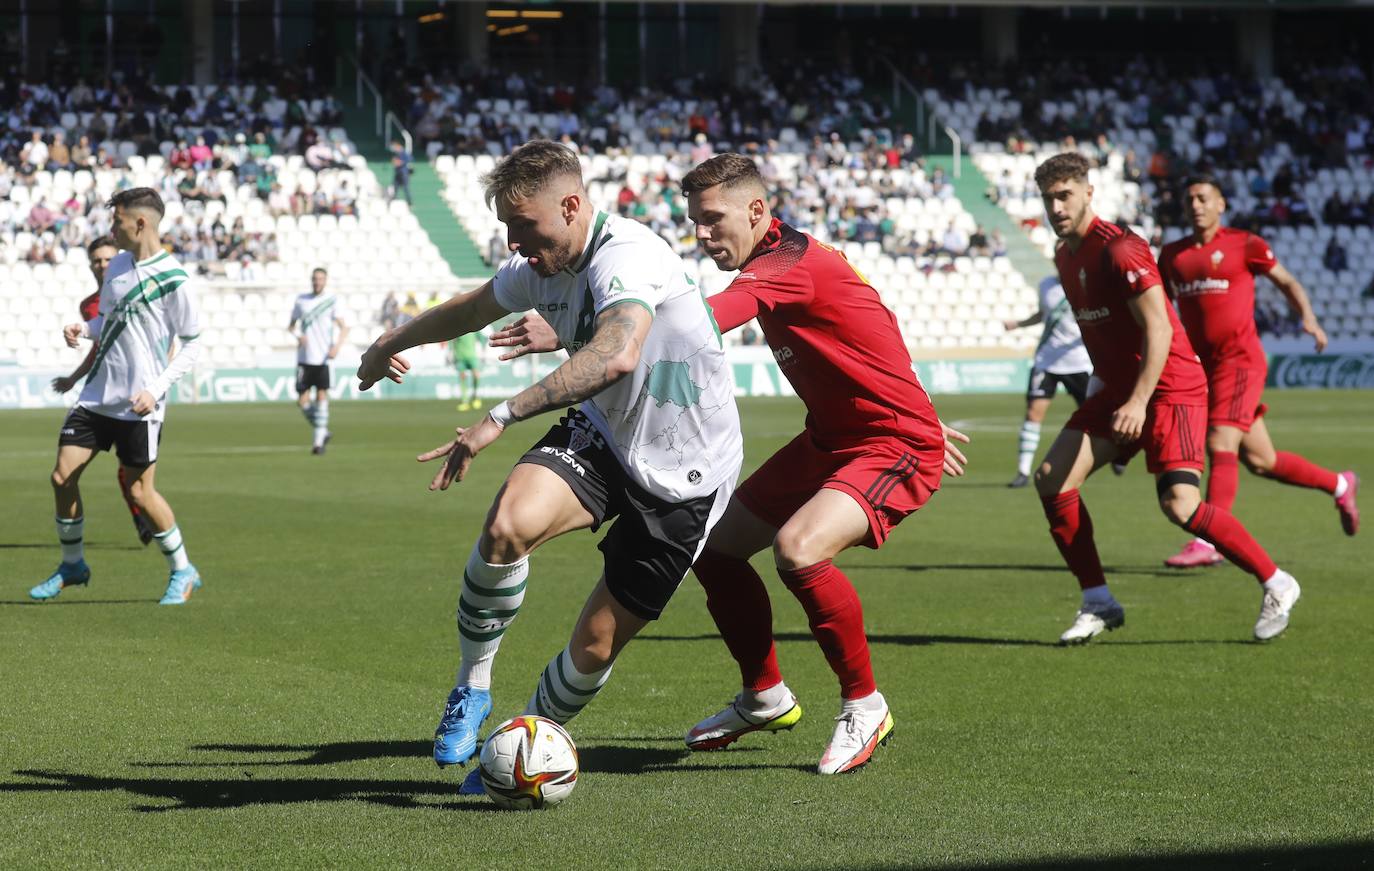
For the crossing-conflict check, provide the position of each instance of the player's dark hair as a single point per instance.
(138, 198)
(1068, 166)
(319, 269)
(100, 242)
(1204, 178)
(527, 169)
(730, 170)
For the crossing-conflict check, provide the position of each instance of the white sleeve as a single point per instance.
(629, 271)
(295, 313)
(181, 364)
(513, 285)
(183, 320)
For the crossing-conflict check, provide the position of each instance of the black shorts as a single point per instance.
(1042, 384)
(653, 543)
(308, 376)
(135, 441)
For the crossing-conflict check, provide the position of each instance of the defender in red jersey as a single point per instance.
(871, 453)
(1153, 399)
(101, 251)
(1211, 275)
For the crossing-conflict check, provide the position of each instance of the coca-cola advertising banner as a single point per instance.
(1355, 371)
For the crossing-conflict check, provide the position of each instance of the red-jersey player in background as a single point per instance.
(101, 251)
(871, 453)
(1153, 399)
(1212, 276)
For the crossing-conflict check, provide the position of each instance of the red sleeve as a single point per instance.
(1259, 257)
(732, 308)
(1129, 259)
(90, 307)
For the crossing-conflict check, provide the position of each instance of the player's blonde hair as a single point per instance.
(1069, 166)
(527, 169)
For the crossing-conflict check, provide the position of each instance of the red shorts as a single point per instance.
(1174, 437)
(887, 476)
(1234, 393)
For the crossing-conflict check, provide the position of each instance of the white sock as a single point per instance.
(172, 548)
(765, 699)
(1278, 581)
(1099, 595)
(321, 421)
(70, 533)
(1030, 440)
(308, 412)
(1341, 486)
(490, 599)
(874, 701)
(1205, 543)
(563, 691)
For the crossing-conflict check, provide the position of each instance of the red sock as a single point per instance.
(1227, 534)
(837, 621)
(1301, 472)
(1223, 480)
(738, 601)
(1072, 530)
(128, 497)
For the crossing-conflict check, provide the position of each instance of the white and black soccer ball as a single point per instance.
(528, 762)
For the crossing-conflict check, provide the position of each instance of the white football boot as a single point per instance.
(857, 735)
(735, 721)
(1092, 620)
(1276, 605)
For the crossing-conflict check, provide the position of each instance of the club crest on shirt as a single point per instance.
(1217, 257)
(579, 441)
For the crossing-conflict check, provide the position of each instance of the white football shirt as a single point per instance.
(672, 422)
(317, 316)
(1061, 350)
(144, 305)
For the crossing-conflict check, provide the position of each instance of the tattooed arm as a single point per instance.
(612, 353)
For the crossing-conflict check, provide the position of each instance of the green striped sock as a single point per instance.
(490, 600)
(564, 691)
(172, 548)
(71, 534)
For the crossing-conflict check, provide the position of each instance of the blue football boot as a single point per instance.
(180, 585)
(456, 738)
(76, 574)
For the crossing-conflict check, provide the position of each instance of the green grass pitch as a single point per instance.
(283, 717)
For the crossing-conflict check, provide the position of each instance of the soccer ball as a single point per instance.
(528, 762)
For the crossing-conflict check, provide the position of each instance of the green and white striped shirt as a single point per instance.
(317, 316)
(144, 305)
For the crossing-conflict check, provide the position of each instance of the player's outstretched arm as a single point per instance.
(1290, 287)
(531, 334)
(447, 320)
(1010, 324)
(1149, 310)
(612, 353)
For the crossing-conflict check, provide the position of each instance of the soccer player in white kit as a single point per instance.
(146, 303)
(1060, 358)
(654, 441)
(319, 325)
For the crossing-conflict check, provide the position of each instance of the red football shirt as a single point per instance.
(90, 307)
(833, 338)
(1215, 288)
(1111, 266)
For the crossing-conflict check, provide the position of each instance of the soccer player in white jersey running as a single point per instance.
(322, 330)
(654, 440)
(145, 304)
(1060, 358)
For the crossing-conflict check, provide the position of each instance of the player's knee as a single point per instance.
(591, 651)
(1258, 462)
(797, 549)
(1047, 483)
(505, 539)
(1179, 503)
(62, 479)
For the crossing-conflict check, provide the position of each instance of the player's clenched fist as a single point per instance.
(72, 334)
(1128, 422)
(378, 364)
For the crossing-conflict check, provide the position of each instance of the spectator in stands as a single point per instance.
(497, 251)
(978, 245)
(211, 189)
(278, 201)
(409, 310)
(34, 155)
(997, 244)
(41, 217)
(955, 241)
(319, 202)
(59, 153)
(180, 158)
(320, 156)
(82, 158)
(345, 201)
(202, 158)
(1334, 258)
(248, 269)
(400, 171)
(389, 311)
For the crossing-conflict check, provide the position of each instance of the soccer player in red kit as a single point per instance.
(872, 452)
(1153, 400)
(1212, 276)
(101, 251)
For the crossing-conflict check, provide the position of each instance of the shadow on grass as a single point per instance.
(322, 754)
(1050, 568)
(877, 638)
(48, 545)
(1315, 857)
(204, 794)
(26, 603)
